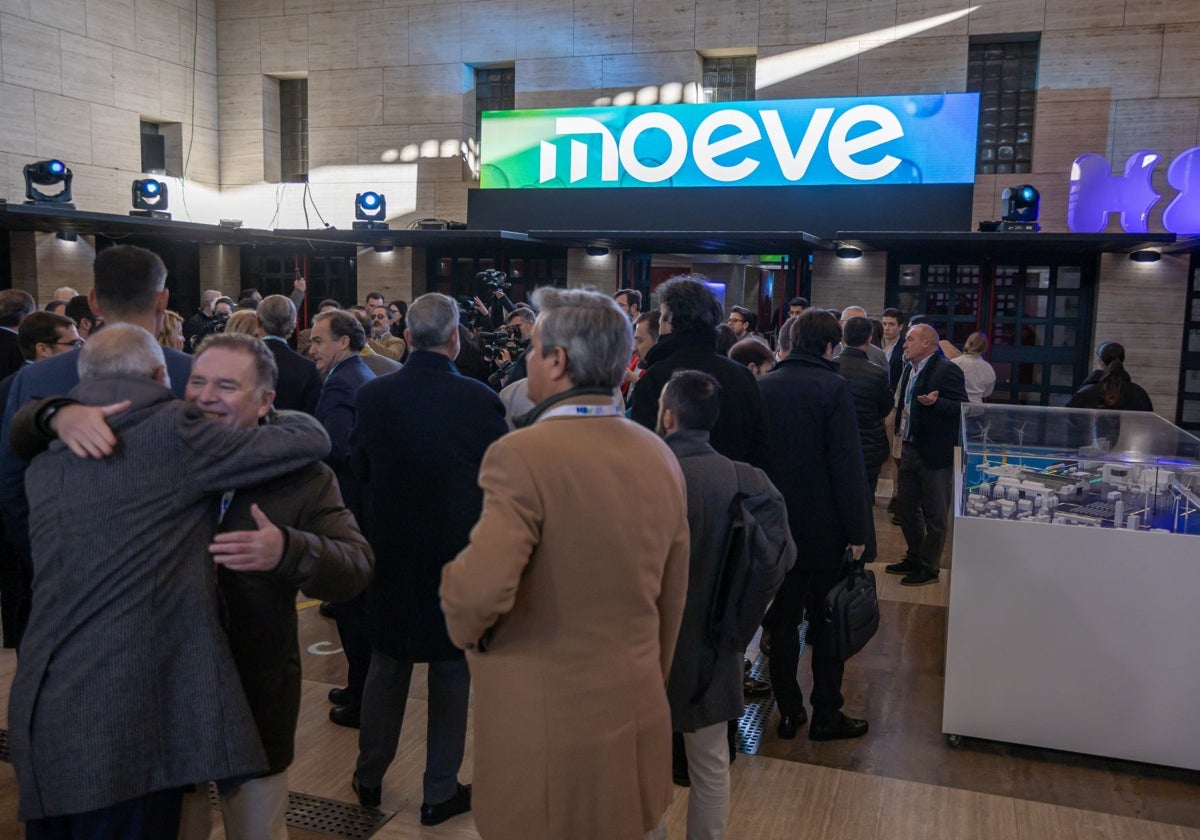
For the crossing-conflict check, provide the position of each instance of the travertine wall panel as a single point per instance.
(333, 41)
(435, 33)
(599, 273)
(135, 82)
(939, 65)
(17, 130)
(31, 55)
(241, 157)
(791, 22)
(841, 283)
(722, 24)
(489, 31)
(383, 38)
(345, 98)
(1121, 63)
(837, 79)
(260, 8)
(68, 15)
(64, 127)
(390, 274)
(559, 82)
(545, 29)
(336, 146)
(111, 128)
(1065, 128)
(284, 44)
(852, 18)
(381, 144)
(426, 94)
(1180, 61)
(1166, 126)
(112, 21)
(1085, 14)
(603, 28)
(917, 11)
(157, 31)
(62, 263)
(1009, 16)
(630, 73)
(87, 67)
(240, 102)
(239, 45)
(664, 27)
(1147, 12)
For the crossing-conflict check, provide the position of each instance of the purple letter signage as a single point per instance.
(1096, 192)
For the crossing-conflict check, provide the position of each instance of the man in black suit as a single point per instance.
(15, 306)
(928, 414)
(817, 464)
(419, 440)
(299, 384)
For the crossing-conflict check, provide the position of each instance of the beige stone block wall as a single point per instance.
(838, 283)
(78, 76)
(1142, 306)
(598, 273)
(62, 263)
(390, 274)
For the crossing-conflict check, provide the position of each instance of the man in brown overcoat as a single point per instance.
(569, 597)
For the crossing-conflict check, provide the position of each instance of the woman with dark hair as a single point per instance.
(726, 338)
(398, 314)
(1110, 386)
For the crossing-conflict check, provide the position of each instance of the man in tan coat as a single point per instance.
(568, 621)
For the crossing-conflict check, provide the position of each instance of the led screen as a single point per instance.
(925, 139)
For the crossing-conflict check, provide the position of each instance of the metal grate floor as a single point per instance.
(756, 712)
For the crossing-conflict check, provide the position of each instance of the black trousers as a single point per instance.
(154, 816)
(871, 552)
(351, 618)
(923, 509)
(783, 621)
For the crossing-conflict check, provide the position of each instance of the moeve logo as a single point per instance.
(881, 124)
(1095, 193)
(889, 139)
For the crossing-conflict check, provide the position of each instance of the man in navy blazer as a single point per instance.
(420, 438)
(299, 385)
(129, 286)
(929, 402)
(335, 340)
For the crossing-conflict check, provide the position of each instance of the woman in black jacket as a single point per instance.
(1110, 386)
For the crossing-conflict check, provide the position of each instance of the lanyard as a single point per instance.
(583, 411)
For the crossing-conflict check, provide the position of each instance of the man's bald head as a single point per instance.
(853, 312)
(123, 350)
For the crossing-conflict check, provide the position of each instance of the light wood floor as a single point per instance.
(878, 787)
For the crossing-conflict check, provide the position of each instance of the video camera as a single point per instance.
(494, 278)
(505, 338)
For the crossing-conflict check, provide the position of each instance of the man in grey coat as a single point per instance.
(705, 686)
(125, 690)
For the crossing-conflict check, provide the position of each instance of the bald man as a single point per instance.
(928, 411)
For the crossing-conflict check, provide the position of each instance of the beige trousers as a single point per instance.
(257, 810)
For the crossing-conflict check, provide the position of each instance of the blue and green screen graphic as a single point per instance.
(923, 139)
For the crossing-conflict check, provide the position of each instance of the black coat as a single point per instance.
(741, 430)
(1133, 396)
(299, 385)
(420, 437)
(816, 461)
(935, 428)
(872, 402)
(11, 359)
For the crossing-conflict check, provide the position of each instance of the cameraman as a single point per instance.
(510, 359)
(501, 305)
(222, 308)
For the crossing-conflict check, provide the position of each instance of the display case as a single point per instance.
(1074, 575)
(1098, 469)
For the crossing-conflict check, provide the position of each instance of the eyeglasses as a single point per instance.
(76, 344)
(733, 319)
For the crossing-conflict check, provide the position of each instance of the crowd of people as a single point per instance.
(460, 498)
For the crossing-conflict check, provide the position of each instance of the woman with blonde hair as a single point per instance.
(170, 334)
(980, 376)
(244, 321)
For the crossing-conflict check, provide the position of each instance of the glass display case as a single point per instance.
(1080, 467)
(1073, 577)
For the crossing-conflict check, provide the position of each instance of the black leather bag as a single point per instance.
(851, 611)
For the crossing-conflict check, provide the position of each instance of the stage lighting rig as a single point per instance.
(370, 208)
(149, 199)
(47, 173)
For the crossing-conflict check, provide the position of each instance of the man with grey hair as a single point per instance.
(299, 385)
(428, 426)
(570, 629)
(125, 633)
(199, 325)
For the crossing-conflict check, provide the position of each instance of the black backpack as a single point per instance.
(758, 553)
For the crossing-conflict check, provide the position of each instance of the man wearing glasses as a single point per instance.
(741, 321)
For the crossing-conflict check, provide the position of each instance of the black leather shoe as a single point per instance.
(846, 727)
(457, 804)
(919, 577)
(346, 716)
(340, 696)
(368, 797)
(753, 689)
(902, 568)
(788, 724)
(328, 609)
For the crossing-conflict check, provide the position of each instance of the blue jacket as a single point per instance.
(335, 410)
